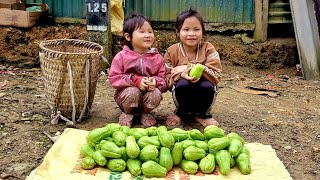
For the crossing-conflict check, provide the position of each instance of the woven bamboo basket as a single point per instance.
(70, 68)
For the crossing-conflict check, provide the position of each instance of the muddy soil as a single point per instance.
(284, 115)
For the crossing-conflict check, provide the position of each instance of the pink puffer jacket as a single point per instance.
(129, 67)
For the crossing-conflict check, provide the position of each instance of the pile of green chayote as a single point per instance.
(154, 151)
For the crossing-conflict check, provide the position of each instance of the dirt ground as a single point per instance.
(262, 97)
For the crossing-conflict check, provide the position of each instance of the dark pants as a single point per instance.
(194, 98)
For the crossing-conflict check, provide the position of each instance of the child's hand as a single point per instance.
(195, 80)
(179, 69)
(185, 75)
(144, 84)
(152, 84)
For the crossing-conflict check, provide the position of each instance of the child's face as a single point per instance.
(191, 32)
(142, 38)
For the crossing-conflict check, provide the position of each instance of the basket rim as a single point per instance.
(43, 43)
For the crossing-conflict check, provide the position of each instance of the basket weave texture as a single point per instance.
(55, 55)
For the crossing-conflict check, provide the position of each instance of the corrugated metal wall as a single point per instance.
(213, 11)
(64, 8)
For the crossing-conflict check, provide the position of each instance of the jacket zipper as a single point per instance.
(141, 67)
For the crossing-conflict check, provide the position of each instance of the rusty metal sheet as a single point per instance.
(213, 11)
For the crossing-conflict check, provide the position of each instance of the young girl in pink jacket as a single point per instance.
(137, 73)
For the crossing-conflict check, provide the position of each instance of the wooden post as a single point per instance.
(261, 9)
(99, 29)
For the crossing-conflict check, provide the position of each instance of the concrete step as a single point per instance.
(279, 21)
(279, 13)
(279, 5)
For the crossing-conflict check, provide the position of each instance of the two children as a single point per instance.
(139, 75)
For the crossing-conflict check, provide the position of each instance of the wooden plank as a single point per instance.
(307, 37)
(261, 20)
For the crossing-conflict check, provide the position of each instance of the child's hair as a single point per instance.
(131, 23)
(186, 14)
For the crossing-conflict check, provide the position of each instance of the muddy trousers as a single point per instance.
(131, 100)
(194, 98)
